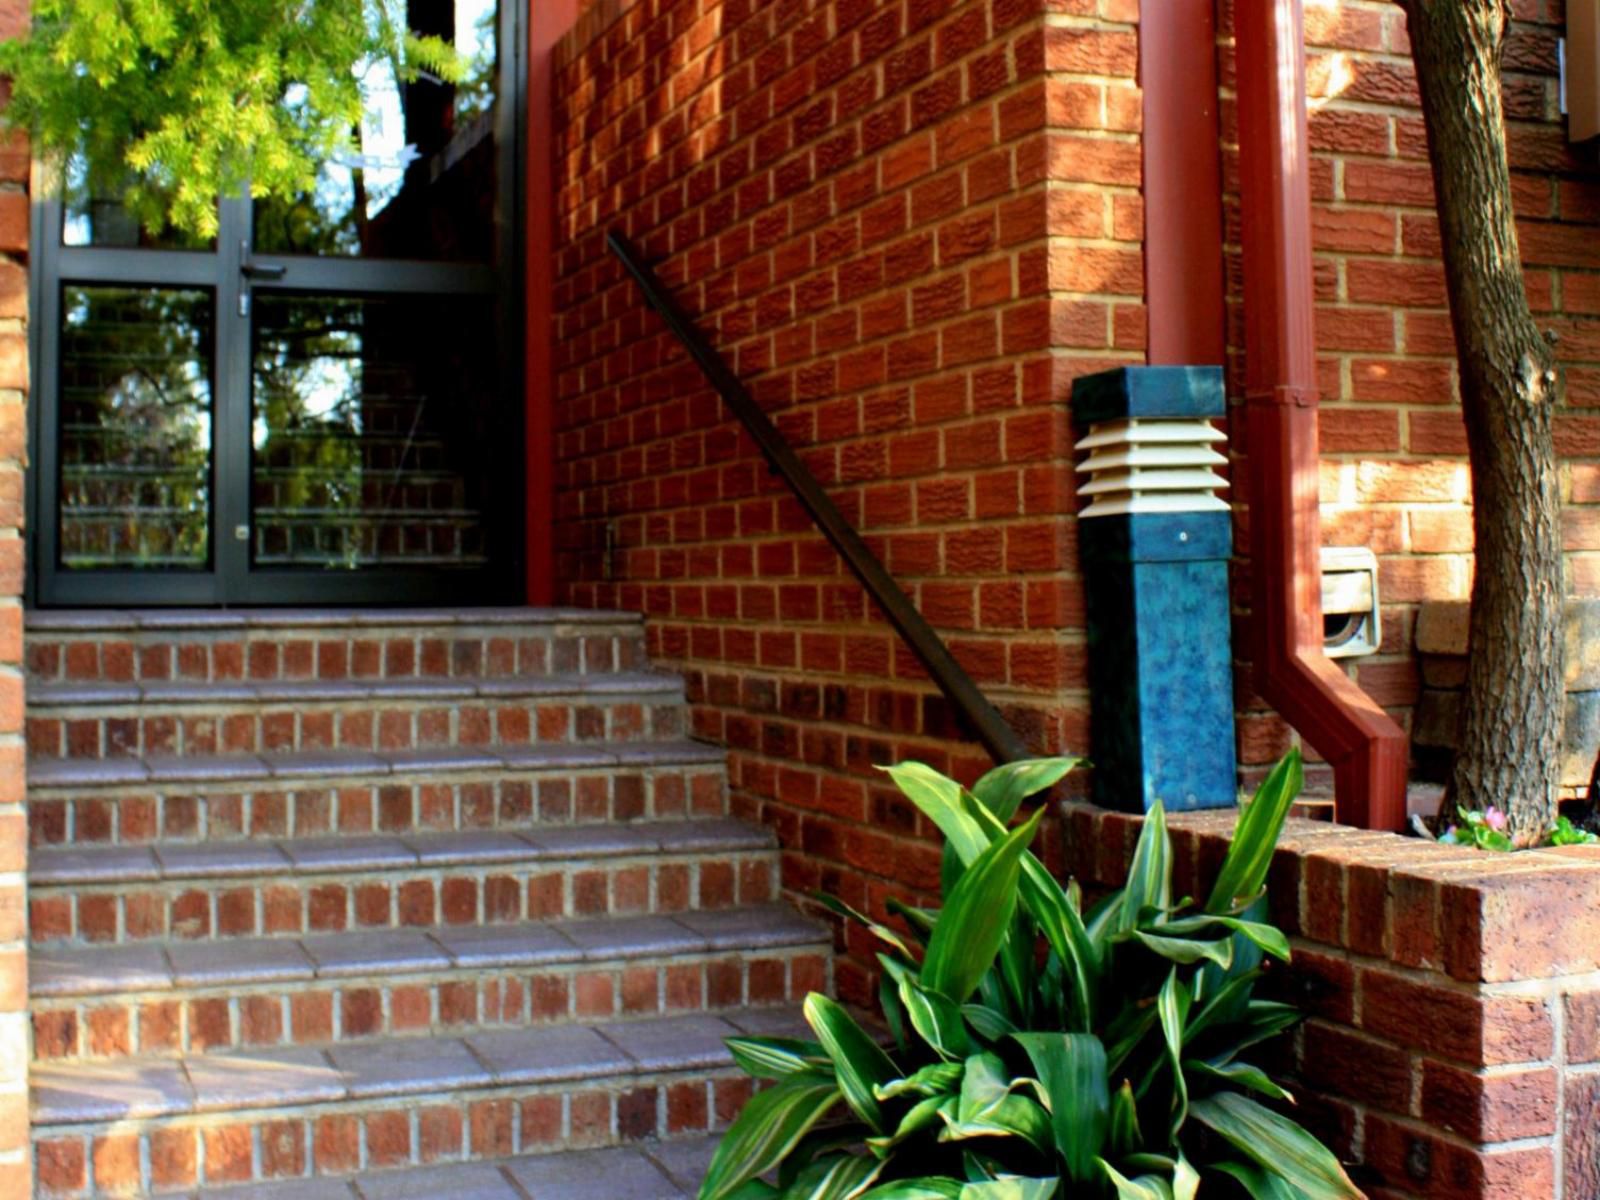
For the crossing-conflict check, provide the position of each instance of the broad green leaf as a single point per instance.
(1185, 1180)
(775, 1057)
(935, 1079)
(939, 799)
(1144, 1187)
(1244, 869)
(1012, 1116)
(984, 1083)
(1187, 951)
(1004, 789)
(1122, 1132)
(837, 1177)
(1268, 937)
(1262, 1020)
(1150, 873)
(924, 1114)
(1072, 1068)
(1010, 1188)
(1126, 1030)
(858, 1060)
(754, 1189)
(1262, 1185)
(936, 1020)
(894, 1013)
(976, 917)
(1276, 1144)
(916, 1189)
(771, 1125)
(1240, 1075)
(921, 920)
(1223, 1006)
(1173, 1005)
(987, 1023)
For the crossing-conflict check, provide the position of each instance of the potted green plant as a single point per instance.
(1036, 1048)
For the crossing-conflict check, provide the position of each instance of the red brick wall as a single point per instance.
(909, 226)
(15, 1046)
(1453, 1000)
(1394, 450)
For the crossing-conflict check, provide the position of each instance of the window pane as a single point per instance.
(370, 431)
(95, 216)
(421, 183)
(135, 435)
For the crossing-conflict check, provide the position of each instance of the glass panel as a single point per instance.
(369, 424)
(95, 216)
(421, 182)
(135, 427)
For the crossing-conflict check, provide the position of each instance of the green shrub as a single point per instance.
(1038, 1049)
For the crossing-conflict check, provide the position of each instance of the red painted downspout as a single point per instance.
(1366, 748)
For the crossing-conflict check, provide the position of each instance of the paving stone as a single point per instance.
(298, 1189)
(313, 763)
(263, 1078)
(546, 1055)
(753, 928)
(441, 758)
(408, 1066)
(205, 768)
(65, 1092)
(485, 946)
(92, 970)
(632, 937)
(213, 860)
(368, 952)
(673, 1044)
(623, 1174)
(85, 772)
(114, 864)
(242, 962)
(348, 854)
(461, 1181)
(592, 841)
(721, 833)
(441, 849)
(685, 1161)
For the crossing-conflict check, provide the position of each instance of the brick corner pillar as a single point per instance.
(15, 1040)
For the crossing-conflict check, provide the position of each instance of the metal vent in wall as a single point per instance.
(1152, 466)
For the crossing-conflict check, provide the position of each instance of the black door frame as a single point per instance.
(222, 270)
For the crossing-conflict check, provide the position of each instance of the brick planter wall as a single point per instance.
(1453, 1046)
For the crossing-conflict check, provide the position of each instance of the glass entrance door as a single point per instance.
(318, 405)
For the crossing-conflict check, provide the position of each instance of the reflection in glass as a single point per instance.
(421, 181)
(135, 437)
(369, 430)
(92, 215)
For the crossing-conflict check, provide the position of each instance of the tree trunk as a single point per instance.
(1509, 752)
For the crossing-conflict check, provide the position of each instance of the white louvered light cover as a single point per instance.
(1152, 466)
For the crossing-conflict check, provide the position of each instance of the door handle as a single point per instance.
(252, 270)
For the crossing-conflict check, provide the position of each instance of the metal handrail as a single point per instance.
(991, 728)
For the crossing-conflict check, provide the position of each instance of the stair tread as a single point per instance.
(106, 694)
(243, 1080)
(51, 772)
(647, 1171)
(56, 865)
(168, 619)
(164, 966)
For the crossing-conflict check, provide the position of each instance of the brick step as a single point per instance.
(372, 643)
(101, 719)
(136, 801)
(143, 1126)
(187, 998)
(286, 888)
(669, 1170)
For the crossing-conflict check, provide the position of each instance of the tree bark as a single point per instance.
(1509, 752)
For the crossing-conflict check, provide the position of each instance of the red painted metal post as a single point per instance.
(1182, 187)
(1366, 748)
(548, 20)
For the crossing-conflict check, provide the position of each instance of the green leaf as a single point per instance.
(1012, 1116)
(771, 1125)
(836, 1177)
(1145, 1187)
(1276, 1144)
(1240, 1075)
(939, 799)
(1268, 937)
(882, 932)
(1262, 1185)
(921, 920)
(1185, 1180)
(976, 917)
(1072, 1069)
(1122, 1132)
(1173, 1005)
(935, 1079)
(987, 1022)
(936, 1020)
(776, 1057)
(1150, 873)
(924, 1114)
(1004, 789)
(858, 1060)
(1187, 951)
(1244, 869)
(1010, 1188)
(916, 1189)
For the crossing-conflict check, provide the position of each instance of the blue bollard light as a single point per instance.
(1154, 543)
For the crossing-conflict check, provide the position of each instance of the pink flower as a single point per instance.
(1495, 819)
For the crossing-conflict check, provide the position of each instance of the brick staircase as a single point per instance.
(385, 904)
